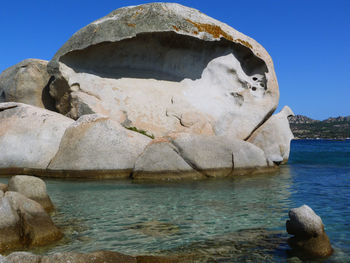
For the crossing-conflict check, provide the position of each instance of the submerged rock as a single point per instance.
(32, 187)
(21, 257)
(71, 257)
(94, 257)
(155, 228)
(310, 239)
(157, 259)
(27, 82)
(164, 67)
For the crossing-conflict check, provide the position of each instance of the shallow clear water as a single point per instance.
(157, 218)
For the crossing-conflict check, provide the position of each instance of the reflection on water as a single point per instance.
(243, 216)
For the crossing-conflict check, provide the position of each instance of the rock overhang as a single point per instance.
(173, 43)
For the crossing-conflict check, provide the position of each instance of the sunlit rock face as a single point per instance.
(165, 68)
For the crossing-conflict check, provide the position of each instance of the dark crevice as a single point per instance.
(48, 101)
(2, 96)
(267, 116)
(8, 107)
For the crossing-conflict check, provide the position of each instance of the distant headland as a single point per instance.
(332, 128)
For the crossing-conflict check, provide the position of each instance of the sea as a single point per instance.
(238, 219)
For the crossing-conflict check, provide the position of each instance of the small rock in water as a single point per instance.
(33, 188)
(310, 239)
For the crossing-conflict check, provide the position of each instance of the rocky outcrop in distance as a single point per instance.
(331, 128)
(156, 91)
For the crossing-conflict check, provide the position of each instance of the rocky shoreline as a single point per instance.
(328, 129)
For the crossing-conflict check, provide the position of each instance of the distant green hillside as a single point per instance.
(331, 128)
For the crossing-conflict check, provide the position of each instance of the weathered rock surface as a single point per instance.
(27, 82)
(94, 257)
(274, 137)
(24, 223)
(197, 156)
(310, 239)
(218, 155)
(161, 160)
(32, 187)
(3, 187)
(96, 143)
(9, 221)
(37, 226)
(304, 221)
(157, 259)
(21, 257)
(163, 68)
(29, 136)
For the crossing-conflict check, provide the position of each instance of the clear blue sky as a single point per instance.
(308, 40)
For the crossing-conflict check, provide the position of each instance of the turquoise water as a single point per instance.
(233, 220)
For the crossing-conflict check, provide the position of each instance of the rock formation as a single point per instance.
(164, 68)
(29, 136)
(274, 137)
(33, 188)
(94, 257)
(24, 223)
(96, 143)
(151, 91)
(310, 239)
(27, 82)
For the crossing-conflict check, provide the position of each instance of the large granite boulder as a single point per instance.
(154, 70)
(161, 160)
(274, 137)
(162, 68)
(24, 223)
(309, 238)
(195, 156)
(32, 187)
(27, 82)
(29, 136)
(218, 155)
(97, 144)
